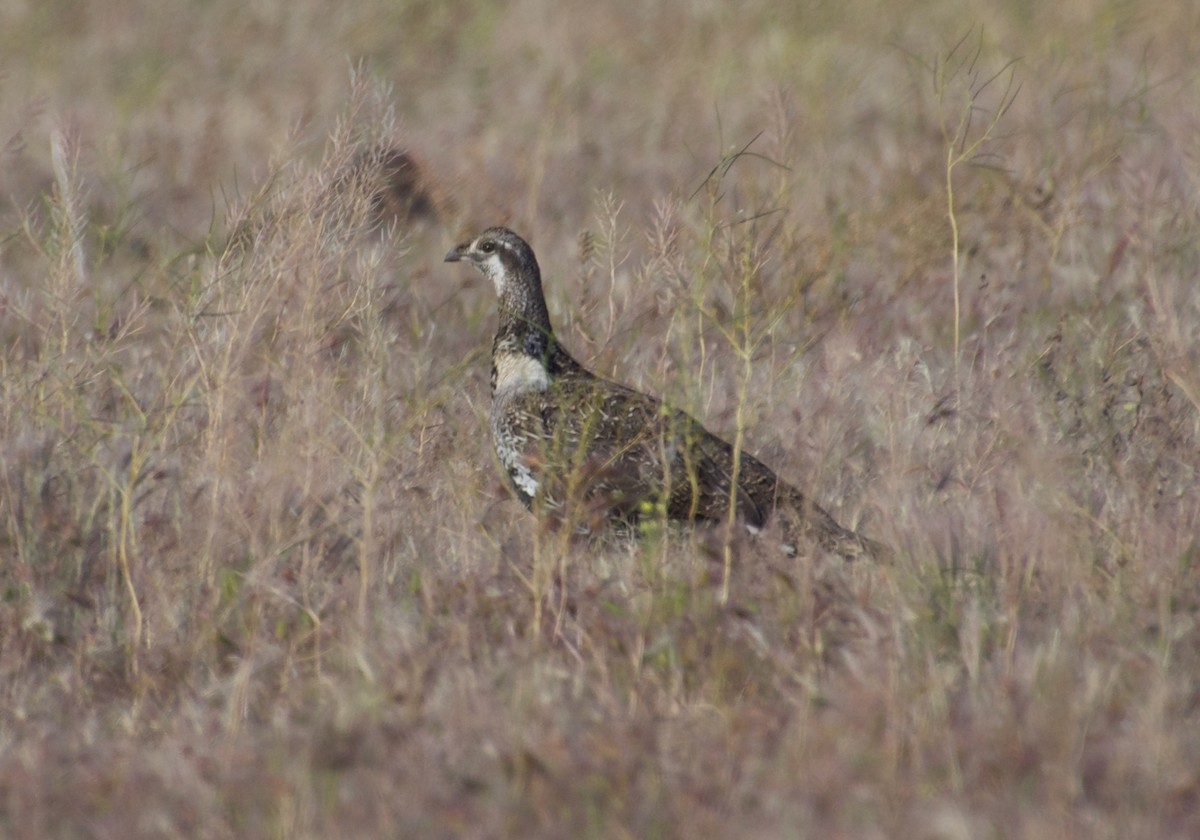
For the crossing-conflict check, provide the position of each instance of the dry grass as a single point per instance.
(258, 573)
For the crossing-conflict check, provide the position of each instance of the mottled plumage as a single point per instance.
(565, 435)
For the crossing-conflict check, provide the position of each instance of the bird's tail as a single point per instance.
(804, 519)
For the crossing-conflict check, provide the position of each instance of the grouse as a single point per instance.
(568, 437)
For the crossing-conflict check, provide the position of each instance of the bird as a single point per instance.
(565, 436)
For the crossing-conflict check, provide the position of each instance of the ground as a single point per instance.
(937, 263)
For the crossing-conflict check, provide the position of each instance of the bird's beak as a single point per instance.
(458, 252)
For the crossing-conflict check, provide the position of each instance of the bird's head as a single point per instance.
(504, 258)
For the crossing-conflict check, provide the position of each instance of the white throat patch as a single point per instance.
(493, 269)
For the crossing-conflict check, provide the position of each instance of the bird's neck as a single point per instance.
(522, 304)
(525, 354)
(524, 347)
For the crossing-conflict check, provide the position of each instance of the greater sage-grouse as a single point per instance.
(566, 436)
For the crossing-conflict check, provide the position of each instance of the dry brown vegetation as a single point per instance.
(258, 574)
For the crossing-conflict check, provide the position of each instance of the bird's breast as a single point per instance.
(516, 434)
(518, 373)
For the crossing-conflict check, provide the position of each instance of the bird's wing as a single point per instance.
(632, 446)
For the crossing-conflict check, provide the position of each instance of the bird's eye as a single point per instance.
(487, 247)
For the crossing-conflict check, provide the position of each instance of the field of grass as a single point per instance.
(938, 263)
